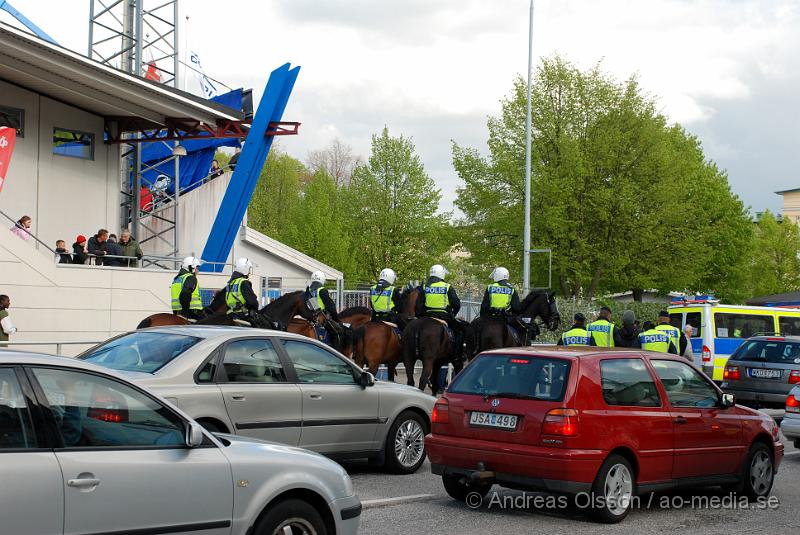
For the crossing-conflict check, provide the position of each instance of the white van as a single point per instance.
(719, 329)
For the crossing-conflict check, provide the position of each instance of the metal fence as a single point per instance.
(58, 344)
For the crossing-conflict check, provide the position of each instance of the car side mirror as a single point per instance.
(194, 435)
(727, 400)
(366, 379)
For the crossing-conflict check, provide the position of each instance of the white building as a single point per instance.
(51, 93)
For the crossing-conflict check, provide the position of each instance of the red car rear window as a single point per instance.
(514, 376)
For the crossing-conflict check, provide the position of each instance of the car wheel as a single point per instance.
(405, 443)
(211, 427)
(758, 473)
(612, 490)
(461, 491)
(291, 516)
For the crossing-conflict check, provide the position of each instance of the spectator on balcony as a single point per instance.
(113, 250)
(95, 246)
(234, 159)
(22, 228)
(79, 254)
(130, 247)
(215, 170)
(63, 255)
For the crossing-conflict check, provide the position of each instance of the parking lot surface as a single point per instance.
(418, 504)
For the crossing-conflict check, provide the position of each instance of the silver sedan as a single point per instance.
(84, 451)
(276, 386)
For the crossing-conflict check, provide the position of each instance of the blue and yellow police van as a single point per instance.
(718, 329)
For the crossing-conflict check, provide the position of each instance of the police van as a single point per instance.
(717, 329)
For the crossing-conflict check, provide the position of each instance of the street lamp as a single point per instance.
(526, 240)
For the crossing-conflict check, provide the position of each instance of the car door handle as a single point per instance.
(315, 395)
(680, 420)
(237, 397)
(83, 482)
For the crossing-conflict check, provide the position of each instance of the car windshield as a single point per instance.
(513, 376)
(777, 351)
(145, 352)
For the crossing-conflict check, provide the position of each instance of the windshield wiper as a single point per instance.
(510, 395)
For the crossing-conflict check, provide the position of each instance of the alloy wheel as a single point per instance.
(409, 443)
(761, 473)
(618, 489)
(295, 526)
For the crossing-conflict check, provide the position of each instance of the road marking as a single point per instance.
(791, 453)
(385, 502)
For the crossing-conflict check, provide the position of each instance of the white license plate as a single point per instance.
(760, 373)
(488, 419)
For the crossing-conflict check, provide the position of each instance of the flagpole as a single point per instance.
(526, 240)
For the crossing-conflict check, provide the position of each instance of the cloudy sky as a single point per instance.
(728, 70)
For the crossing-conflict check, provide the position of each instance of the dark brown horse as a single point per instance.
(491, 332)
(340, 341)
(429, 340)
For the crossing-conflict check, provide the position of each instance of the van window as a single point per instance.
(729, 325)
(695, 319)
(628, 382)
(789, 325)
(512, 376)
(675, 319)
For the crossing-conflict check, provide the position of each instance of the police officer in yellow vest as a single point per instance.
(675, 334)
(654, 339)
(384, 299)
(500, 298)
(602, 330)
(318, 299)
(577, 335)
(239, 295)
(439, 300)
(185, 291)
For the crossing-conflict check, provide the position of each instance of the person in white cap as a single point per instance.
(239, 294)
(439, 300)
(384, 299)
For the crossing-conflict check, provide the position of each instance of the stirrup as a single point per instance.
(242, 323)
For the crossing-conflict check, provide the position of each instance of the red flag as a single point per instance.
(152, 72)
(7, 138)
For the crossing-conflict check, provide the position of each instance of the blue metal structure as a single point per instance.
(251, 160)
(5, 6)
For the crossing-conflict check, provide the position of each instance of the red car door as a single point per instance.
(708, 438)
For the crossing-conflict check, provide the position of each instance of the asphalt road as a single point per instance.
(417, 504)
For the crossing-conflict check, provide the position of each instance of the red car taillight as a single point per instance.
(731, 373)
(441, 412)
(562, 422)
(706, 355)
(107, 409)
(792, 404)
(794, 377)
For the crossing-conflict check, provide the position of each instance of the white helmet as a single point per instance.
(499, 274)
(438, 270)
(318, 276)
(243, 266)
(190, 263)
(388, 275)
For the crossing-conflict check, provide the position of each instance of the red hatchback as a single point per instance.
(603, 424)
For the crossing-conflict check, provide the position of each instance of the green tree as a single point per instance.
(392, 205)
(322, 230)
(274, 207)
(625, 200)
(774, 266)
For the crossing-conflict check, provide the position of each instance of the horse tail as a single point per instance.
(145, 323)
(358, 346)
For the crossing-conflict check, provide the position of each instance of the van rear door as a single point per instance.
(505, 397)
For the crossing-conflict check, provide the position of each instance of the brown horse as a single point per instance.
(342, 342)
(355, 316)
(377, 343)
(427, 339)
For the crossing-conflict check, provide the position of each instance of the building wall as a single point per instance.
(791, 206)
(64, 196)
(76, 302)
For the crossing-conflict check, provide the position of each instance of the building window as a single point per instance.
(73, 143)
(13, 118)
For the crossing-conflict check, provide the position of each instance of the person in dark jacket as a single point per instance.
(79, 254)
(63, 255)
(234, 159)
(130, 247)
(95, 246)
(239, 294)
(319, 298)
(112, 249)
(628, 334)
(215, 170)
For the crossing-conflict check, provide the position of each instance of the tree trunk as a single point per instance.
(638, 293)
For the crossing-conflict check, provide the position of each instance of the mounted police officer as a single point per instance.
(654, 339)
(185, 291)
(239, 294)
(384, 299)
(577, 335)
(602, 330)
(439, 300)
(675, 334)
(501, 300)
(318, 299)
